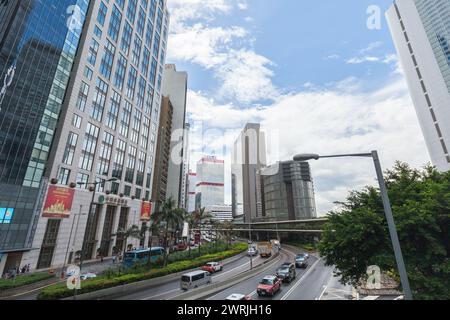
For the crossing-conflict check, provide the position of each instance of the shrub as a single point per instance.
(24, 280)
(113, 279)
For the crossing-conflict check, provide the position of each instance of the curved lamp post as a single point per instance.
(387, 210)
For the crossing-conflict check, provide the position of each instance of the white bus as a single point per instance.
(195, 279)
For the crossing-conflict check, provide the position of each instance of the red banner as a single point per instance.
(146, 211)
(58, 203)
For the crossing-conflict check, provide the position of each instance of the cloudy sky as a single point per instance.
(311, 72)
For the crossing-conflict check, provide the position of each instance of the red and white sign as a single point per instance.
(58, 203)
(146, 210)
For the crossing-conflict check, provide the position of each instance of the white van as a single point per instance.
(195, 279)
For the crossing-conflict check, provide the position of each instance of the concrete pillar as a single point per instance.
(3, 257)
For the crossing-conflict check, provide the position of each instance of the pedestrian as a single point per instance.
(28, 267)
(24, 269)
(114, 258)
(101, 258)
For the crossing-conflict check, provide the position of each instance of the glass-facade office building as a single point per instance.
(421, 34)
(287, 192)
(107, 130)
(38, 44)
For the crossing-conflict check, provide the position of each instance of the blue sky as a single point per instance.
(311, 72)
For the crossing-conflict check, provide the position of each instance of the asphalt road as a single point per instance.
(172, 289)
(249, 286)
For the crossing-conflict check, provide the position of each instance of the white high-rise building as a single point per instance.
(421, 33)
(175, 88)
(210, 182)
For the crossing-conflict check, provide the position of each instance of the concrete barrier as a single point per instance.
(118, 291)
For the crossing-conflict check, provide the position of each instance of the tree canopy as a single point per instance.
(357, 236)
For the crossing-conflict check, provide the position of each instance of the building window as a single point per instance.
(138, 193)
(76, 121)
(127, 191)
(136, 128)
(107, 60)
(64, 175)
(115, 188)
(131, 83)
(105, 154)
(121, 3)
(89, 147)
(93, 51)
(82, 96)
(102, 10)
(98, 32)
(149, 34)
(113, 113)
(145, 62)
(71, 146)
(120, 72)
(153, 68)
(48, 244)
(114, 24)
(88, 72)
(119, 160)
(98, 103)
(126, 38)
(136, 53)
(131, 164)
(156, 45)
(145, 133)
(141, 23)
(125, 120)
(131, 11)
(82, 181)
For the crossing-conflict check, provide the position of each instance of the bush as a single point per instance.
(112, 279)
(23, 280)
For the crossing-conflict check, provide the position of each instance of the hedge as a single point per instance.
(60, 291)
(23, 280)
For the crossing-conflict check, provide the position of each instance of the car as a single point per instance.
(182, 246)
(269, 286)
(301, 260)
(287, 272)
(88, 276)
(213, 267)
(252, 252)
(238, 297)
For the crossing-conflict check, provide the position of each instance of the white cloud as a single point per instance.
(371, 46)
(328, 121)
(245, 76)
(359, 60)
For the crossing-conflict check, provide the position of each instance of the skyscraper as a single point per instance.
(421, 33)
(38, 45)
(210, 182)
(192, 185)
(248, 156)
(175, 88)
(105, 133)
(288, 192)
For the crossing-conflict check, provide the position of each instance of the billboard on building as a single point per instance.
(58, 203)
(146, 210)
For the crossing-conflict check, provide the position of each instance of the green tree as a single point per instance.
(171, 216)
(200, 217)
(131, 232)
(357, 236)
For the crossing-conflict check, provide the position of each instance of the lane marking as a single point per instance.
(161, 294)
(323, 292)
(305, 275)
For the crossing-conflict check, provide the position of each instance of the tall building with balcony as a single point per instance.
(421, 33)
(248, 157)
(105, 135)
(39, 41)
(287, 192)
(210, 182)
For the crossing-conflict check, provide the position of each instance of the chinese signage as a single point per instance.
(113, 201)
(146, 210)
(58, 203)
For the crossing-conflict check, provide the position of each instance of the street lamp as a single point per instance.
(93, 190)
(387, 210)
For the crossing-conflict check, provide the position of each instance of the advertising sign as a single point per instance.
(58, 203)
(6, 215)
(146, 210)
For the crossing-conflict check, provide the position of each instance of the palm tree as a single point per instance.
(228, 227)
(200, 216)
(131, 232)
(171, 216)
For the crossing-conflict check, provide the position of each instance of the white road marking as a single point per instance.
(295, 286)
(161, 294)
(323, 292)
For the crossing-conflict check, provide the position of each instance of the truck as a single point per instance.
(276, 244)
(265, 249)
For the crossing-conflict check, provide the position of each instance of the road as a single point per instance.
(309, 284)
(171, 289)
